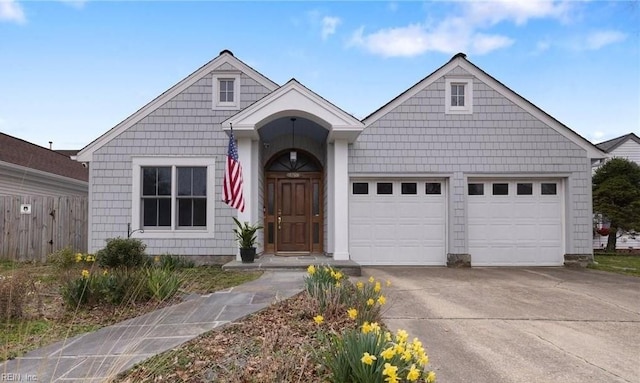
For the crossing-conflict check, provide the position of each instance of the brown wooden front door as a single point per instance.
(294, 208)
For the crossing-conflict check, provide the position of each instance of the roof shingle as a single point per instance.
(23, 153)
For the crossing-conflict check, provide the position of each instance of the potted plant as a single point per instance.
(246, 237)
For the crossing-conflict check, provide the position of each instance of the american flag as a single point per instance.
(232, 185)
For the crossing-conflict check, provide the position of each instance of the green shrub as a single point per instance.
(63, 259)
(114, 288)
(173, 262)
(77, 292)
(13, 296)
(161, 283)
(121, 252)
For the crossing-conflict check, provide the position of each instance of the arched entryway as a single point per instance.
(293, 207)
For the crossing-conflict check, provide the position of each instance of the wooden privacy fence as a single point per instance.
(32, 227)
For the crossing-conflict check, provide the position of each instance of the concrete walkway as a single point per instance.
(101, 355)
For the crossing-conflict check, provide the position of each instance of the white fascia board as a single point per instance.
(86, 154)
(8, 169)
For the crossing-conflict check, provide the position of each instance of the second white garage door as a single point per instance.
(397, 222)
(515, 222)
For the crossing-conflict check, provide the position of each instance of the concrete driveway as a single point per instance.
(519, 324)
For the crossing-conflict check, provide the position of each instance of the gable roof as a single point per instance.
(225, 56)
(293, 98)
(613, 143)
(19, 152)
(460, 59)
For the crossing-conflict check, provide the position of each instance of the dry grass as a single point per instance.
(45, 319)
(273, 345)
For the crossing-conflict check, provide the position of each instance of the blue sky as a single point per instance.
(71, 70)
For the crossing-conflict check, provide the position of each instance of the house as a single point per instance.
(43, 200)
(457, 169)
(627, 146)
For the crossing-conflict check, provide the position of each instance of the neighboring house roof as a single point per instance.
(19, 152)
(68, 153)
(613, 143)
(460, 59)
(225, 56)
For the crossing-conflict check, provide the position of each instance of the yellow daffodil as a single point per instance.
(360, 285)
(388, 353)
(399, 347)
(413, 374)
(368, 358)
(382, 300)
(78, 257)
(338, 284)
(406, 355)
(353, 314)
(85, 273)
(371, 279)
(390, 370)
(338, 275)
(311, 269)
(377, 287)
(370, 302)
(401, 336)
(375, 327)
(318, 319)
(366, 328)
(387, 336)
(105, 272)
(423, 359)
(431, 377)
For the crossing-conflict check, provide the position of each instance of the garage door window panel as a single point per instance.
(525, 189)
(433, 188)
(476, 189)
(500, 189)
(548, 188)
(360, 188)
(409, 188)
(384, 188)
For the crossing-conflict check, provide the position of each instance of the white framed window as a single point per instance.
(226, 91)
(173, 197)
(458, 95)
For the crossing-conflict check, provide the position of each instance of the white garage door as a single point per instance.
(515, 222)
(397, 222)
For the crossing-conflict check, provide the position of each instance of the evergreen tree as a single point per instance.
(616, 195)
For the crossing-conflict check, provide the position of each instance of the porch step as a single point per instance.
(301, 262)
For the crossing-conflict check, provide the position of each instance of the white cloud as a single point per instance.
(516, 11)
(466, 31)
(482, 44)
(597, 40)
(416, 39)
(12, 11)
(329, 25)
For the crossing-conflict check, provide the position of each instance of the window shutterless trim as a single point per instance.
(173, 231)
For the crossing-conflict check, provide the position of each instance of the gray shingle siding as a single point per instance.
(499, 137)
(184, 126)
